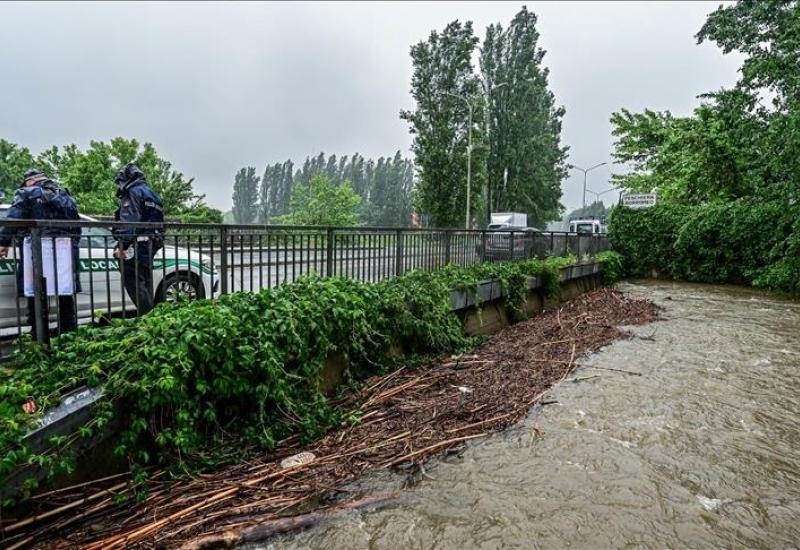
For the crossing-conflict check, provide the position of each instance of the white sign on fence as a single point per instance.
(639, 200)
(60, 269)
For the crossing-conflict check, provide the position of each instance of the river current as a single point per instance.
(701, 450)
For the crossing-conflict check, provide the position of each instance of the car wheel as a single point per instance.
(176, 285)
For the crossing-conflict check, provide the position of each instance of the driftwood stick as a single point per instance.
(256, 533)
(633, 373)
(64, 508)
(474, 424)
(430, 448)
(79, 485)
(21, 544)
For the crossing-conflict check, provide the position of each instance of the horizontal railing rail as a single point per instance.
(52, 276)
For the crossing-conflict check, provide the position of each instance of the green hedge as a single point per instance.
(740, 242)
(201, 381)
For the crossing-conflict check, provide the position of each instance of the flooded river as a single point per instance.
(701, 450)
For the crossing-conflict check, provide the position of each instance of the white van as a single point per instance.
(176, 270)
(588, 227)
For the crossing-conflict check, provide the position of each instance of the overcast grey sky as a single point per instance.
(217, 86)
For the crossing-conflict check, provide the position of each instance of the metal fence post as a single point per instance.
(398, 253)
(511, 245)
(223, 263)
(447, 233)
(329, 253)
(40, 323)
(483, 246)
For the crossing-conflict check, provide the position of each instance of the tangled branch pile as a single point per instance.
(398, 418)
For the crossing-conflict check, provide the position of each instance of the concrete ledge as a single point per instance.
(486, 292)
(493, 315)
(490, 290)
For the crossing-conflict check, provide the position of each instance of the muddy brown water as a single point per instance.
(701, 450)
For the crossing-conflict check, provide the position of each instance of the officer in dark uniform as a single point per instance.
(137, 246)
(40, 198)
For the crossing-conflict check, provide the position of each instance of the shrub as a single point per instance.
(721, 242)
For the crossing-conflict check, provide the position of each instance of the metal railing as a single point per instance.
(204, 261)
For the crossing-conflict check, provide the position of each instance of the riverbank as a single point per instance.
(395, 421)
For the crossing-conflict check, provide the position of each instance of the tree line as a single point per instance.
(89, 176)
(281, 195)
(517, 160)
(728, 175)
(741, 143)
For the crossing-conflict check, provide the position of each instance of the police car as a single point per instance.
(176, 270)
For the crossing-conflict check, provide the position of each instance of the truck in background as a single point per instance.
(588, 226)
(503, 226)
(508, 220)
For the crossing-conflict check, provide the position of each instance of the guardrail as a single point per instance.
(204, 261)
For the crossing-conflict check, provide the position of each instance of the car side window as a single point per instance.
(96, 237)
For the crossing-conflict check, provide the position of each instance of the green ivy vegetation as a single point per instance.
(200, 383)
(741, 242)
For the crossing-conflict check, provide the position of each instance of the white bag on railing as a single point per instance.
(56, 265)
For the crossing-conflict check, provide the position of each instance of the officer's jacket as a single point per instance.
(45, 201)
(137, 203)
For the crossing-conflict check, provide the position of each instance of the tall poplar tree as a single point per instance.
(245, 196)
(442, 84)
(526, 161)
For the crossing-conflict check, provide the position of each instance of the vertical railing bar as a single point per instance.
(374, 255)
(316, 255)
(398, 253)
(56, 288)
(300, 253)
(223, 259)
(39, 289)
(20, 293)
(213, 262)
(294, 259)
(447, 236)
(121, 264)
(200, 265)
(251, 262)
(91, 276)
(329, 252)
(242, 266)
(285, 256)
(270, 257)
(260, 261)
(108, 275)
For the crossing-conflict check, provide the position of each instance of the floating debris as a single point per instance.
(298, 460)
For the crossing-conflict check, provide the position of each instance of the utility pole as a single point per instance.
(585, 171)
(469, 152)
(598, 195)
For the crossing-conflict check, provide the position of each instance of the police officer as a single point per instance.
(41, 198)
(137, 246)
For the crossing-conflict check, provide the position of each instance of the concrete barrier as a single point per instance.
(492, 315)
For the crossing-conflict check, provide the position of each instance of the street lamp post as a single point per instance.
(469, 147)
(469, 152)
(585, 171)
(597, 195)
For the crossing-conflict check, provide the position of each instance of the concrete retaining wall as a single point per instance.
(493, 316)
